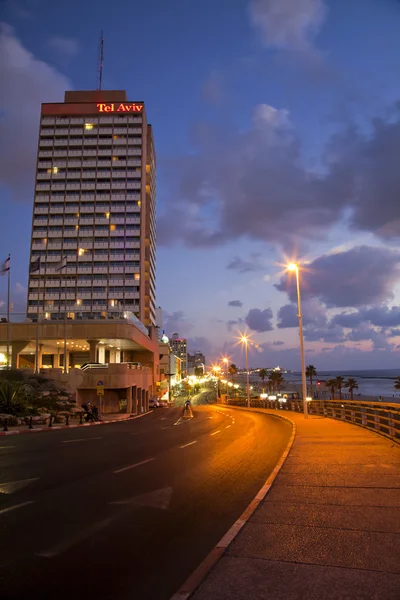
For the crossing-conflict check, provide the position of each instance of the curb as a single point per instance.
(58, 427)
(200, 573)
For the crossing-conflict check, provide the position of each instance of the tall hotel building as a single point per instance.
(94, 210)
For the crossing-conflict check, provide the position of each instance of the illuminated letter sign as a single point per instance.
(103, 107)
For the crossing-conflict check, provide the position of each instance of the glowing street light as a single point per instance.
(245, 340)
(294, 267)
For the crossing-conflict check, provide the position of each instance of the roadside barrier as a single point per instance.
(380, 417)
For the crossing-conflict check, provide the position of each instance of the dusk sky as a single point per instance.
(277, 132)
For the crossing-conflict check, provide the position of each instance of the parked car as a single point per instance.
(153, 403)
(163, 403)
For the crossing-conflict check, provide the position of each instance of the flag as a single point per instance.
(35, 265)
(62, 264)
(5, 267)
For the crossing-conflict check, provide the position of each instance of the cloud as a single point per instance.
(232, 322)
(177, 322)
(364, 170)
(288, 24)
(26, 83)
(278, 343)
(237, 303)
(200, 344)
(259, 320)
(245, 266)
(381, 316)
(65, 46)
(331, 334)
(246, 184)
(313, 314)
(361, 276)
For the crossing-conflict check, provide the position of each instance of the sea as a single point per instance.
(372, 383)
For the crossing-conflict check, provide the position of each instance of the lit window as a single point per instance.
(148, 189)
(137, 276)
(115, 157)
(107, 215)
(76, 226)
(88, 125)
(81, 251)
(112, 227)
(147, 168)
(139, 203)
(115, 137)
(79, 302)
(112, 302)
(44, 240)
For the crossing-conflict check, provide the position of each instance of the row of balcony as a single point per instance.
(128, 151)
(75, 208)
(86, 174)
(87, 221)
(71, 143)
(73, 283)
(83, 296)
(86, 132)
(115, 185)
(81, 120)
(71, 163)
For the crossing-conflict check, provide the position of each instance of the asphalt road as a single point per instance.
(127, 510)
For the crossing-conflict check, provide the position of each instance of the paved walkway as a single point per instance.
(328, 529)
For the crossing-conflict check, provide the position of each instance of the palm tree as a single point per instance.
(397, 383)
(352, 384)
(331, 383)
(263, 373)
(276, 379)
(232, 370)
(339, 385)
(311, 372)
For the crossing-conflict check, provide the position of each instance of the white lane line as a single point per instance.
(215, 432)
(4, 447)
(189, 444)
(163, 418)
(227, 427)
(80, 440)
(143, 462)
(14, 486)
(73, 540)
(5, 510)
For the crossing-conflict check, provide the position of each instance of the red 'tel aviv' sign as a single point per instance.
(119, 107)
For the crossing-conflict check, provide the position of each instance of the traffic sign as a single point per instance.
(100, 388)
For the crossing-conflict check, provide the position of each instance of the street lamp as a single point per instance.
(245, 340)
(295, 267)
(216, 370)
(225, 360)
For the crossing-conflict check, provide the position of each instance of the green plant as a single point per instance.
(352, 384)
(311, 372)
(263, 374)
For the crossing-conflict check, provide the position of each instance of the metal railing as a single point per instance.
(380, 417)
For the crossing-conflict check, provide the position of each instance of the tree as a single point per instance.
(276, 379)
(352, 384)
(232, 370)
(339, 385)
(331, 384)
(263, 374)
(198, 371)
(311, 372)
(397, 383)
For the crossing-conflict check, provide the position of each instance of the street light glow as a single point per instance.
(292, 267)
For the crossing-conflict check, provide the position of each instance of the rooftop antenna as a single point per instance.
(101, 56)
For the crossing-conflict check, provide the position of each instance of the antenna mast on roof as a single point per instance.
(101, 56)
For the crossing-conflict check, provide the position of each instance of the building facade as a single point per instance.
(93, 230)
(179, 348)
(196, 360)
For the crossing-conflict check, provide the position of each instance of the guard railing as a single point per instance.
(381, 417)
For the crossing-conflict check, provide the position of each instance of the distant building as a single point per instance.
(159, 323)
(179, 348)
(195, 360)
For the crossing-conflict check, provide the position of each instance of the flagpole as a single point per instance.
(65, 329)
(37, 325)
(8, 314)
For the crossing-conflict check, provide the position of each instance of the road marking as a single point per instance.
(210, 417)
(157, 499)
(227, 427)
(14, 486)
(5, 510)
(215, 432)
(163, 418)
(189, 444)
(143, 462)
(4, 447)
(80, 537)
(80, 440)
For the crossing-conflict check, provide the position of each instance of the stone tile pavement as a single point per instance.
(329, 528)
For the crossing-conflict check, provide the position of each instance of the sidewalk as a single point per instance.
(107, 418)
(329, 528)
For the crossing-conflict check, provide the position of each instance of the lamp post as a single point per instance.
(295, 267)
(225, 360)
(244, 339)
